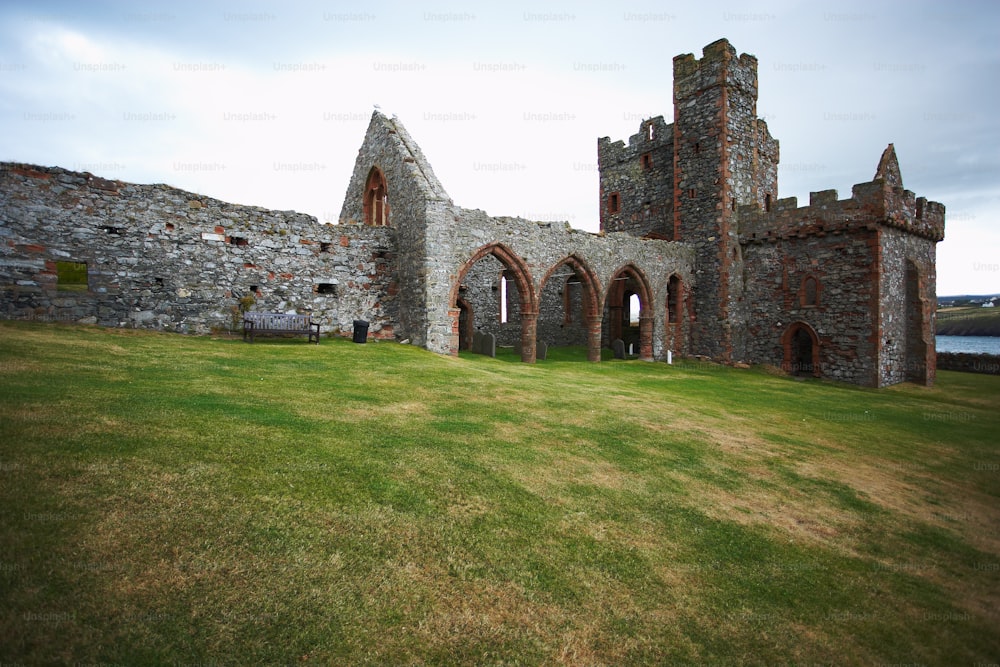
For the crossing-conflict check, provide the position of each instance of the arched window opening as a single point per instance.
(809, 294)
(503, 298)
(376, 201)
(633, 310)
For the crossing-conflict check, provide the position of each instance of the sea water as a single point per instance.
(970, 344)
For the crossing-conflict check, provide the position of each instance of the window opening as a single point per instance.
(633, 310)
(71, 276)
(503, 299)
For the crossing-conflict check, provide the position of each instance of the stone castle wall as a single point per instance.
(640, 179)
(162, 258)
(845, 271)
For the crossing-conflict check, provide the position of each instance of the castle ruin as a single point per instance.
(696, 255)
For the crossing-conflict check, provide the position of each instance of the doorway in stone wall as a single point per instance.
(801, 351)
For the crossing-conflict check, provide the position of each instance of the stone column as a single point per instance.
(594, 338)
(529, 330)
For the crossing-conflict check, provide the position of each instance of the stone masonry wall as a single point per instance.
(412, 190)
(907, 309)
(845, 269)
(162, 258)
(457, 235)
(641, 176)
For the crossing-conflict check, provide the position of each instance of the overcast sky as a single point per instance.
(266, 103)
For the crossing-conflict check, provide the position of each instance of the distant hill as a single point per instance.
(967, 300)
(968, 319)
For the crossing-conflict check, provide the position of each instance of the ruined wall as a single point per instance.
(413, 190)
(558, 324)
(456, 237)
(640, 178)
(162, 258)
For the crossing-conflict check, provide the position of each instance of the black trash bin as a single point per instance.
(360, 331)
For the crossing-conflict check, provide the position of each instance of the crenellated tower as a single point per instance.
(724, 156)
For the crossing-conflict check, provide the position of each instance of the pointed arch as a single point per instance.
(625, 282)
(375, 210)
(800, 349)
(516, 271)
(591, 299)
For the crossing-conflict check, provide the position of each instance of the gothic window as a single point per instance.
(809, 294)
(376, 201)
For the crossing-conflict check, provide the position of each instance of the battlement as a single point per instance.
(653, 133)
(871, 204)
(718, 65)
(882, 201)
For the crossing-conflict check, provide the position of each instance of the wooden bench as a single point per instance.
(255, 323)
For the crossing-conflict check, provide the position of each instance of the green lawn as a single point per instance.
(178, 500)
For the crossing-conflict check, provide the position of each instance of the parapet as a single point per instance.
(882, 201)
(653, 133)
(870, 205)
(718, 64)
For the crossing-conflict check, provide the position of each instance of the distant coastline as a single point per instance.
(968, 316)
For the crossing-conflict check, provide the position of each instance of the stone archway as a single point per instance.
(590, 298)
(514, 272)
(800, 346)
(626, 282)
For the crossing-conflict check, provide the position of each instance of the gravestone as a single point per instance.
(489, 345)
(618, 345)
(541, 349)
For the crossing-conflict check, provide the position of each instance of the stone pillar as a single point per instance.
(646, 335)
(594, 338)
(529, 329)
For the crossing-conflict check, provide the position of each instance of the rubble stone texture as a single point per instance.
(692, 230)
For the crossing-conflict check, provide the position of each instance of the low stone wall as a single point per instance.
(969, 363)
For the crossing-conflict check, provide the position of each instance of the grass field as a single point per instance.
(968, 321)
(187, 500)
